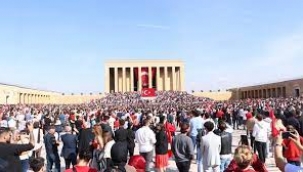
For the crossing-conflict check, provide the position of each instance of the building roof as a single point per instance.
(144, 61)
(151, 60)
(268, 83)
(14, 85)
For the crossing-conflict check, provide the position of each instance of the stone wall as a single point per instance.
(289, 88)
(222, 95)
(13, 94)
(76, 98)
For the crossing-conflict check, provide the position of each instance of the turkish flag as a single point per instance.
(148, 92)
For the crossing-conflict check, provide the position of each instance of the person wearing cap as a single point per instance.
(10, 153)
(183, 149)
(51, 148)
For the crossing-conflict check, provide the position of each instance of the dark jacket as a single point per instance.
(162, 143)
(69, 145)
(131, 138)
(121, 135)
(51, 146)
(86, 136)
(9, 157)
(226, 142)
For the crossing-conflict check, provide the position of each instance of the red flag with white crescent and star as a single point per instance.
(148, 92)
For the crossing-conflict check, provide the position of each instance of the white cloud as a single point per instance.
(151, 26)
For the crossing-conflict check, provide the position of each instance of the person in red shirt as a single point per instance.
(220, 114)
(249, 115)
(116, 124)
(83, 163)
(291, 152)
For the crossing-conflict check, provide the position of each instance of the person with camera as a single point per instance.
(10, 152)
(291, 152)
(279, 158)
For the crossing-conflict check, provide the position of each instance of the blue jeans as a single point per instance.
(25, 165)
(194, 140)
(224, 163)
(199, 160)
(51, 160)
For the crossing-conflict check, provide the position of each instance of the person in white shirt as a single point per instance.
(12, 124)
(20, 118)
(260, 132)
(38, 140)
(109, 142)
(146, 139)
(111, 122)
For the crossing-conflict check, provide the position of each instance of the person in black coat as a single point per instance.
(85, 138)
(69, 150)
(131, 140)
(121, 134)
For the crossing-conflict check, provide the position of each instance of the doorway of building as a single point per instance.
(297, 92)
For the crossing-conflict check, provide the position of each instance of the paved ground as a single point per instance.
(172, 167)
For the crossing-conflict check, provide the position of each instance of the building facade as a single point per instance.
(134, 75)
(290, 88)
(13, 94)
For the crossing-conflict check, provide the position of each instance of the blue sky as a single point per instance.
(62, 45)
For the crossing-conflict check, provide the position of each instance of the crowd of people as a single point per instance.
(101, 135)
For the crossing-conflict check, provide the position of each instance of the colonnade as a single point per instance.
(264, 93)
(126, 79)
(28, 98)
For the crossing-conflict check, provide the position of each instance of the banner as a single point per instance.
(148, 92)
(144, 77)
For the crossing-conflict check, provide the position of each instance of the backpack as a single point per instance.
(100, 160)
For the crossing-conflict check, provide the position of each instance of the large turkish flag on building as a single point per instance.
(148, 92)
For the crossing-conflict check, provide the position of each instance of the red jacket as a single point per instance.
(291, 151)
(82, 169)
(169, 128)
(219, 114)
(249, 115)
